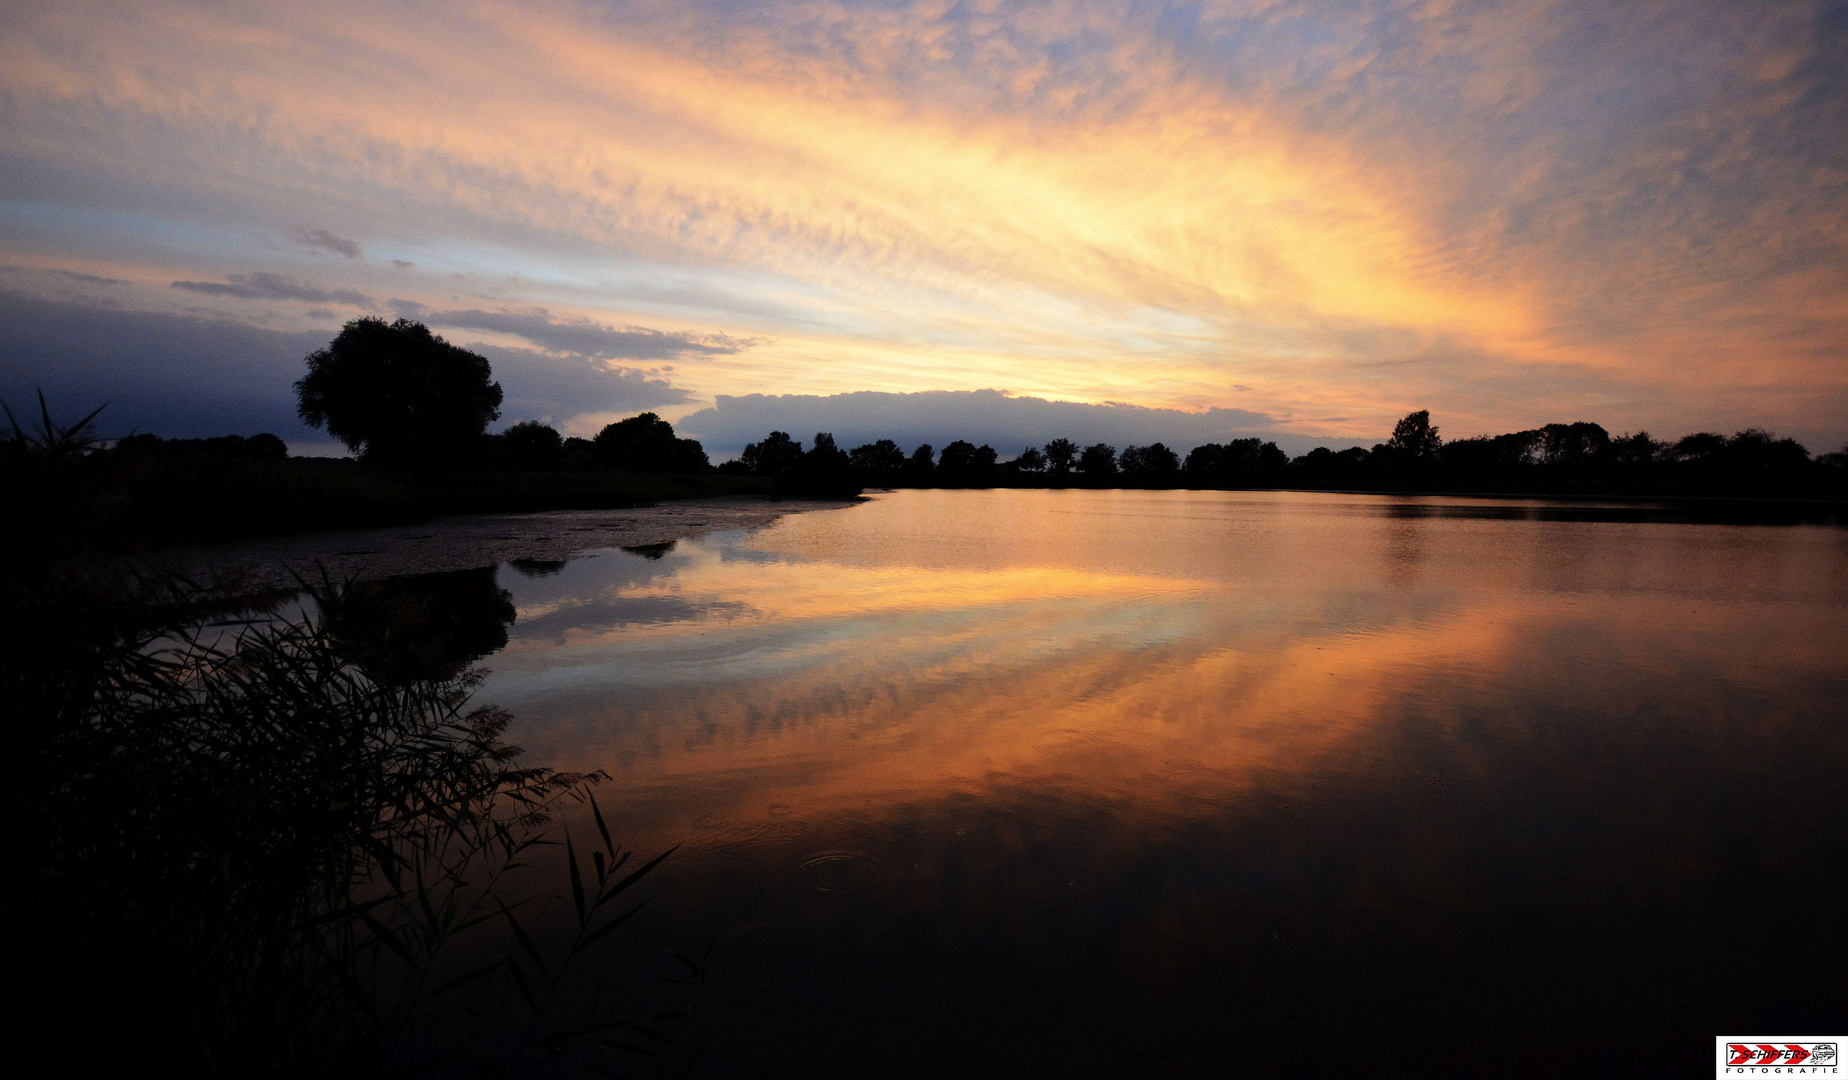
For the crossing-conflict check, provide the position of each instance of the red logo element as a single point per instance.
(1766, 1054)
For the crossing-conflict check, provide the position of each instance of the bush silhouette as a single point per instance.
(647, 444)
(398, 395)
(532, 445)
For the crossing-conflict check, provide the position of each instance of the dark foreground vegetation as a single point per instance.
(1580, 459)
(276, 839)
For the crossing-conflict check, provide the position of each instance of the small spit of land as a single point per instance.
(460, 542)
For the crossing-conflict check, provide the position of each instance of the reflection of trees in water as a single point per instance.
(419, 627)
(293, 845)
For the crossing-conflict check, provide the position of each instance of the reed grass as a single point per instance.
(248, 856)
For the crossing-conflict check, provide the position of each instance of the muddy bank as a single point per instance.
(461, 542)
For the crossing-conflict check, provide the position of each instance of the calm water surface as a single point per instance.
(1190, 783)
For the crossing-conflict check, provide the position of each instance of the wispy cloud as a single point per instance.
(264, 285)
(580, 336)
(321, 238)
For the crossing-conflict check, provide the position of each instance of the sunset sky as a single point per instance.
(1309, 217)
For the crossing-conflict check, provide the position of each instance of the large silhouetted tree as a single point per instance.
(532, 445)
(1098, 462)
(647, 444)
(396, 394)
(1415, 437)
(1061, 455)
(773, 456)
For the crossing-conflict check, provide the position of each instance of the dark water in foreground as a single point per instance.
(1169, 783)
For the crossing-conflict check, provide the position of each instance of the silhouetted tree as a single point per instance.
(1415, 437)
(1202, 464)
(647, 444)
(1153, 464)
(1061, 457)
(396, 394)
(1636, 451)
(579, 454)
(1098, 462)
(772, 456)
(1700, 446)
(532, 445)
(879, 462)
(1030, 461)
(1248, 462)
(825, 470)
(963, 464)
(920, 469)
(1573, 446)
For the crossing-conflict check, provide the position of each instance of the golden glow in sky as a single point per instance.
(1325, 215)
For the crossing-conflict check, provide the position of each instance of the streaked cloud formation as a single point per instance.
(1326, 214)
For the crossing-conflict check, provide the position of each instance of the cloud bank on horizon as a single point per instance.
(1317, 215)
(1004, 421)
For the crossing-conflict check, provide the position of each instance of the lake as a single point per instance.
(1001, 783)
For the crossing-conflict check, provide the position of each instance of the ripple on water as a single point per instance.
(838, 872)
(1203, 785)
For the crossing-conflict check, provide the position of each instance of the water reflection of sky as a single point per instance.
(1177, 718)
(933, 637)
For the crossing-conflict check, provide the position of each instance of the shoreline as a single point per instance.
(454, 542)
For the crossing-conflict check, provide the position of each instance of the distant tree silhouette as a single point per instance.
(825, 470)
(963, 464)
(579, 454)
(1098, 462)
(1415, 437)
(1030, 461)
(647, 444)
(773, 456)
(1153, 464)
(1636, 451)
(920, 469)
(396, 394)
(1700, 446)
(532, 445)
(1061, 457)
(1574, 446)
(1202, 464)
(878, 462)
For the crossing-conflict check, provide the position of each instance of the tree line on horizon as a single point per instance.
(1576, 454)
(406, 401)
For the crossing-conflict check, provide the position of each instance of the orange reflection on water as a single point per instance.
(826, 668)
